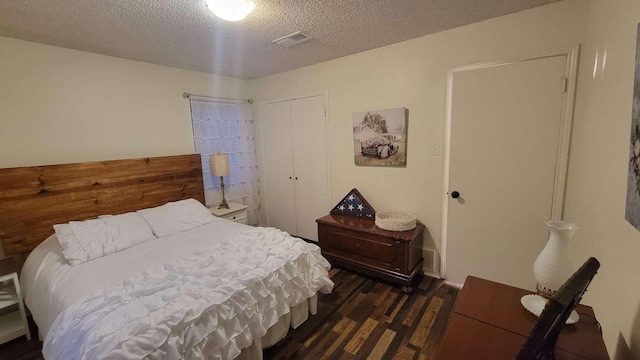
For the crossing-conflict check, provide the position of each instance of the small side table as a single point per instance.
(235, 212)
(13, 323)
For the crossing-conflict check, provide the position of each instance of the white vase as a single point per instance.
(553, 266)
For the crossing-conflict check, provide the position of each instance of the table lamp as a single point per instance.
(220, 167)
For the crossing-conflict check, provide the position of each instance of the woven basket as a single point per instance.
(396, 220)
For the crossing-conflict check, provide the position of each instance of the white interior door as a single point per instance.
(310, 164)
(278, 165)
(505, 126)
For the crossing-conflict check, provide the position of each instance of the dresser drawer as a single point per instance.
(361, 247)
(238, 217)
(241, 220)
(235, 212)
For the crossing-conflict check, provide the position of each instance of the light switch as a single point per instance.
(435, 149)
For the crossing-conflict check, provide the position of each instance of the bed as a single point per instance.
(217, 290)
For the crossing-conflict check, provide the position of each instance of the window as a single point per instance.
(228, 127)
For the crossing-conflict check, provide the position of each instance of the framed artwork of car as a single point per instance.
(380, 137)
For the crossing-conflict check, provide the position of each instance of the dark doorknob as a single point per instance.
(455, 194)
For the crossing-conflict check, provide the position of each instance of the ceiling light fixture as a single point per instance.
(231, 10)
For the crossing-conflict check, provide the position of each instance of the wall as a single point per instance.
(412, 74)
(59, 105)
(597, 181)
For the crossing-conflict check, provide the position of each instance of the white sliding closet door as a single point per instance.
(309, 164)
(295, 164)
(278, 166)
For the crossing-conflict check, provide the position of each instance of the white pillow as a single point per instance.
(175, 217)
(82, 241)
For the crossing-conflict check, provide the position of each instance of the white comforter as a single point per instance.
(207, 304)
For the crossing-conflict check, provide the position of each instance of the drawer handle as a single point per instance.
(358, 245)
(234, 218)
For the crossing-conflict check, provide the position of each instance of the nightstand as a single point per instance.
(235, 212)
(13, 318)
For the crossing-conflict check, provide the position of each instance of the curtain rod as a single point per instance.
(187, 95)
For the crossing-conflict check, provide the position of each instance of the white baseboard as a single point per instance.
(433, 274)
(454, 284)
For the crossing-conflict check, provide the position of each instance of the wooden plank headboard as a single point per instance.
(34, 198)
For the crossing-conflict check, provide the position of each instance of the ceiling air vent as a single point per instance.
(292, 39)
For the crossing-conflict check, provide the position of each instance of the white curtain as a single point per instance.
(220, 127)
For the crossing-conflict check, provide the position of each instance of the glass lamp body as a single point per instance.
(553, 267)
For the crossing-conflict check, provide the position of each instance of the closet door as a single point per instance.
(309, 138)
(278, 166)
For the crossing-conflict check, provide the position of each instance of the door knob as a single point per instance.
(455, 194)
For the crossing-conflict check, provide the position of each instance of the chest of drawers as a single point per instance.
(359, 245)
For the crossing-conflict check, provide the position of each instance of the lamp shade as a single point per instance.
(220, 164)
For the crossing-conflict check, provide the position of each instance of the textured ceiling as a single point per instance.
(185, 34)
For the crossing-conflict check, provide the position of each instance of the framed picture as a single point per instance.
(380, 138)
(632, 211)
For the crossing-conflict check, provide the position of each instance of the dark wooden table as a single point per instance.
(489, 322)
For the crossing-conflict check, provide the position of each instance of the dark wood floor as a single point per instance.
(362, 318)
(368, 319)
(21, 349)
